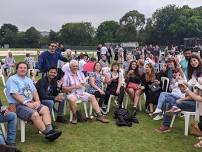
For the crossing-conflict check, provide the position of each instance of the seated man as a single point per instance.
(48, 89)
(11, 119)
(21, 91)
(74, 86)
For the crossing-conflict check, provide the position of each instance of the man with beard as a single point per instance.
(184, 63)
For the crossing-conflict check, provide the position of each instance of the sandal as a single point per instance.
(198, 145)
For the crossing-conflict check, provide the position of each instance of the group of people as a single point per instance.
(93, 81)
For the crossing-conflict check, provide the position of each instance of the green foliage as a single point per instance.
(77, 33)
(32, 37)
(107, 31)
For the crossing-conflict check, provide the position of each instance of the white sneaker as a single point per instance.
(158, 110)
(158, 117)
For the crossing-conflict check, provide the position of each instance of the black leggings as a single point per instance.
(113, 92)
(102, 98)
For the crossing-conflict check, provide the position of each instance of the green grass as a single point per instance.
(93, 136)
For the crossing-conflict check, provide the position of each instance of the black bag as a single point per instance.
(124, 118)
(154, 88)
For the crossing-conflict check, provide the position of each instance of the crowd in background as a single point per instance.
(68, 76)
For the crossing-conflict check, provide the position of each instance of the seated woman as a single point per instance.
(96, 82)
(194, 73)
(152, 88)
(114, 84)
(169, 97)
(134, 84)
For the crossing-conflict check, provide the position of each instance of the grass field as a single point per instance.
(93, 136)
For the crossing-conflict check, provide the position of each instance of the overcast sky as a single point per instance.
(52, 14)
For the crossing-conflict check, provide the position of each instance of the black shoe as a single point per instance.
(61, 119)
(8, 148)
(53, 135)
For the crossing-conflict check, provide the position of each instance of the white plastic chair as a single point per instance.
(165, 81)
(188, 115)
(3, 129)
(127, 101)
(22, 123)
(79, 101)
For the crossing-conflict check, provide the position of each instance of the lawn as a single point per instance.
(93, 136)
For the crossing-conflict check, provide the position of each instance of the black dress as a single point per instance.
(151, 96)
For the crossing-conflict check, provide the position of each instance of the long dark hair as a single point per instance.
(136, 72)
(191, 69)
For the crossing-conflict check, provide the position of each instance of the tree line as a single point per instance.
(168, 25)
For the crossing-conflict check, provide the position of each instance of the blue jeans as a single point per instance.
(50, 105)
(11, 118)
(167, 97)
(184, 106)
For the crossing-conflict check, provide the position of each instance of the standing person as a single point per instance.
(48, 89)
(99, 51)
(9, 63)
(129, 59)
(184, 62)
(21, 92)
(109, 54)
(74, 86)
(48, 59)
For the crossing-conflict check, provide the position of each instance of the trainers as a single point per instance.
(156, 112)
(61, 119)
(53, 135)
(102, 119)
(158, 117)
(163, 129)
(173, 110)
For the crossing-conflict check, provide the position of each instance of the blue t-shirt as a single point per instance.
(22, 85)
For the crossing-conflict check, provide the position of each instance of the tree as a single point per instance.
(7, 34)
(32, 38)
(77, 33)
(133, 18)
(106, 31)
(132, 22)
(53, 36)
(162, 19)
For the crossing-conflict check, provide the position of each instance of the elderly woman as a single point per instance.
(74, 86)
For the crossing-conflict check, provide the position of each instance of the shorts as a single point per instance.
(25, 113)
(83, 97)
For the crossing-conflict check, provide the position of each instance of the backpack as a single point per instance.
(124, 117)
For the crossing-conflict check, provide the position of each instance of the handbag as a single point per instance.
(195, 129)
(133, 85)
(154, 87)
